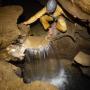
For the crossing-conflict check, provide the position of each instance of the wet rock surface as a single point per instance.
(83, 59)
(37, 40)
(84, 5)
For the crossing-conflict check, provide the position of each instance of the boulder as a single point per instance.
(8, 24)
(82, 58)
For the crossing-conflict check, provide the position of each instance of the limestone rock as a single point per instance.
(25, 29)
(82, 58)
(8, 79)
(84, 5)
(72, 6)
(16, 51)
(4, 55)
(8, 24)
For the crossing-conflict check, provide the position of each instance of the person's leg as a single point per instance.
(45, 21)
(61, 24)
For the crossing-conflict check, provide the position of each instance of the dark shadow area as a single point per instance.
(30, 7)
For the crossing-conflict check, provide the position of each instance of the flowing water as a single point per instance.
(59, 72)
(45, 62)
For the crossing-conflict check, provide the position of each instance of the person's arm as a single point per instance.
(58, 11)
(36, 16)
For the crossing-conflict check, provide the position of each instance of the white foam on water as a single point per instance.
(60, 80)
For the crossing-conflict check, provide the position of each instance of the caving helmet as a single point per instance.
(51, 6)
